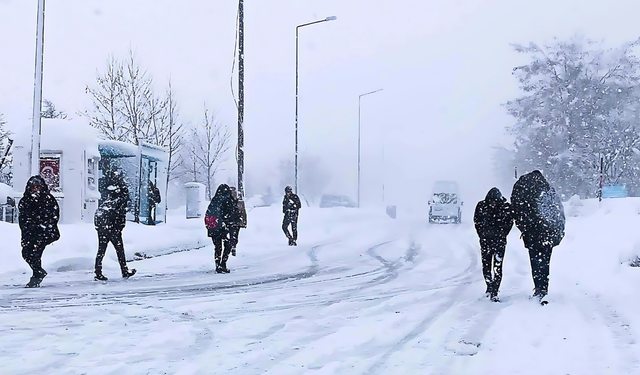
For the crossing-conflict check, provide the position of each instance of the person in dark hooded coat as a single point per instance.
(38, 215)
(539, 215)
(290, 208)
(493, 220)
(109, 220)
(217, 220)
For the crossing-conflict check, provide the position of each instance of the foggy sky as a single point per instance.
(445, 67)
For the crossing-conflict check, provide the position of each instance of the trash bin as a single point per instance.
(195, 194)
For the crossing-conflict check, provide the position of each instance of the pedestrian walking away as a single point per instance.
(217, 221)
(109, 220)
(493, 221)
(38, 215)
(237, 220)
(539, 214)
(290, 208)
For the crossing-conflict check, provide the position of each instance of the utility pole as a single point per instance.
(37, 92)
(241, 98)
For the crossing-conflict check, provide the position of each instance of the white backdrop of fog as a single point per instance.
(445, 67)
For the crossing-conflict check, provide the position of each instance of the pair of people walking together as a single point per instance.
(539, 215)
(225, 216)
(39, 213)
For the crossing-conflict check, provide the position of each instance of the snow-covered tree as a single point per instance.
(5, 155)
(580, 105)
(106, 111)
(49, 111)
(205, 148)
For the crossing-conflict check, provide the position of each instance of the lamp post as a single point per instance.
(331, 18)
(359, 99)
(37, 92)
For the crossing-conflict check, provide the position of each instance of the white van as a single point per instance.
(445, 203)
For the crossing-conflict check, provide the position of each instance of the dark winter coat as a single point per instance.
(38, 214)
(111, 216)
(219, 213)
(537, 210)
(493, 218)
(154, 195)
(238, 217)
(291, 203)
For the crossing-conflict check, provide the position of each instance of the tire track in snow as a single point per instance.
(391, 274)
(436, 313)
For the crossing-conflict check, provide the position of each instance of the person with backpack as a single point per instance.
(539, 215)
(217, 222)
(290, 208)
(38, 215)
(493, 221)
(109, 220)
(237, 220)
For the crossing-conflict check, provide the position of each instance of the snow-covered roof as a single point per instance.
(445, 187)
(6, 191)
(62, 135)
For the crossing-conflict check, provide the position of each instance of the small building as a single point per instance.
(69, 159)
(73, 162)
(141, 166)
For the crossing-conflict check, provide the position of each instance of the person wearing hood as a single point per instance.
(38, 215)
(237, 220)
(290, 208)
(109, 220)
(539, 215)
(493, 221)
(217, 221)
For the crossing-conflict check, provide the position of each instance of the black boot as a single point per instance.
(100, 277)
(127, 274)
(222, 268)
(33, 283)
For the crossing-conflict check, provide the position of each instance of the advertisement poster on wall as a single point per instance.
(50, 171)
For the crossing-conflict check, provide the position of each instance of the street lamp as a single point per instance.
(360, 97)
(331, 18)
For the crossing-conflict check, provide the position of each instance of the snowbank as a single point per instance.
(76, 249)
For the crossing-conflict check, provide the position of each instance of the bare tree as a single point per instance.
(138, 101)
(50, 111)
(105, 114)
(169, 132)
(5, 157)
(206, 149)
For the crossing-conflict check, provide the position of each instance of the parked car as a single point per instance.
(445, 203)
(336, 201)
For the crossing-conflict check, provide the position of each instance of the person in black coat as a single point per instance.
(539, 215)
(217, 221)
(154, 200)
(109, 220)
(237, 220)
(493, 220)
(290, 208)
(38, 215)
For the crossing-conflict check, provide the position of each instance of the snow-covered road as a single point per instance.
(403, 300)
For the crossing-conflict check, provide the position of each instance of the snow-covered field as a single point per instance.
(361, 294)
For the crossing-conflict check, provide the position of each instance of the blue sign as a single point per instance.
(614, 192)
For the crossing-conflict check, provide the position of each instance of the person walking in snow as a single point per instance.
(217, 222)
(38, 215)
(237, 220)
(290, 207)
(493, 220)
(109, 220)
(539, 214)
